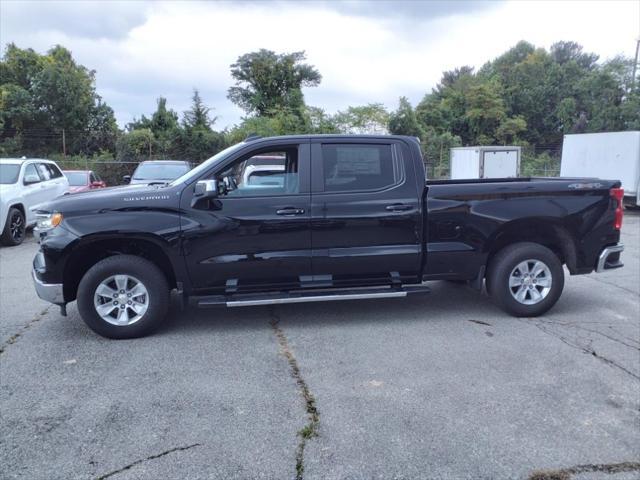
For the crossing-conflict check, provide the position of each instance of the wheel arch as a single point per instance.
(19, 206)
(91, 250)
(545, 232)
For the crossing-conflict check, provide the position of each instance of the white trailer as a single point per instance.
(611, 156)
(484, 162)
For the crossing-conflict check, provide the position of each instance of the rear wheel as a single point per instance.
(123, 296)
(15, 228)
(525, 279)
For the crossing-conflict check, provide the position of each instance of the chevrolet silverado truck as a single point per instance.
(350, 217)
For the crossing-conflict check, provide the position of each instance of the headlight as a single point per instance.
(47, 221)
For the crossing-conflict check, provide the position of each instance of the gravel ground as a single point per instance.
(437, 386)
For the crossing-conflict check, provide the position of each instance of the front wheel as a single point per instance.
(525, 279)
(123, 296)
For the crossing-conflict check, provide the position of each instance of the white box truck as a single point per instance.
(484, 162)
(611, 155)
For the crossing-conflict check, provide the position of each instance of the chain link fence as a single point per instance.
(540, 161)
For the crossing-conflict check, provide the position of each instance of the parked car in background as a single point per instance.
(83, 180)
(157, 171)
(25, 183)
(264, 171)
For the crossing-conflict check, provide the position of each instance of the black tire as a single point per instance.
(143, 270)
(504, 264)
(15, 228)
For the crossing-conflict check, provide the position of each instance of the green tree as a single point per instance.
(136, 145)
(102, 130)
(316, 120)
(510, 129)
(268, 83)
(46, 98)
(197, 140)
(372, 118)
(165, 127)
(485, 112)
(404, 120)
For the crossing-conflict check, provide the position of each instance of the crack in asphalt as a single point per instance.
(612, 285)
(14, 338)
(151, 457)
(566, 473)
(480, 322)
(310, 430)
(540, 324)
(597, 332)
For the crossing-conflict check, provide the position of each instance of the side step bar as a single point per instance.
(298, 296)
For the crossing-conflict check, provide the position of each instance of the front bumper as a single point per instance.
(51, 292)
(609, 258)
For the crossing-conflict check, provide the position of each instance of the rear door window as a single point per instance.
(44, 171)
(364, 167)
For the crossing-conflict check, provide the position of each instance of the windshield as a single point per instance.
(76, 179)
(208, 163)
(9, 173)
(159, 171)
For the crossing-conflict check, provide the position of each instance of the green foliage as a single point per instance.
(365, 119)
(540, 165)
(404, 120)
(317, 121)
(531, 96)
(197, 141)
(136, 145)
(198, 116)
(268, 83)
(527, 96)
(509, 130)
(436, 149)
(42, 96)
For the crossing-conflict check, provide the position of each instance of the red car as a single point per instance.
(83, 180)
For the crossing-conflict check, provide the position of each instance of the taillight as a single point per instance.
(618, 194)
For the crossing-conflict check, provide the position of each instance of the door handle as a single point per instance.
(290, 211)
(398, 207)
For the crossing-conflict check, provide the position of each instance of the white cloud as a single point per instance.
(364, 56)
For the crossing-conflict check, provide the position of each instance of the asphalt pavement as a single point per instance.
(440, 386)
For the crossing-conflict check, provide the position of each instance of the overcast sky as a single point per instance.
(366, 51)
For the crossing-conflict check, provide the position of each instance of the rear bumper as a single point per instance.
(609, 258)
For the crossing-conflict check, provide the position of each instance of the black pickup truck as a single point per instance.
(317, 218)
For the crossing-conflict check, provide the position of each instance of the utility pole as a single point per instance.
(64, 144)
(635, 65)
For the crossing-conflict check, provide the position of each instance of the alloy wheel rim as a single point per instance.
(530, 282)
(121, 300)
(17, 227)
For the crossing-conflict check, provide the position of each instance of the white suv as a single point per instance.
(25, 183)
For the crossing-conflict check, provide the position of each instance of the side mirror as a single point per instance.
(126, 178)
(204, 190)
(96, 184)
